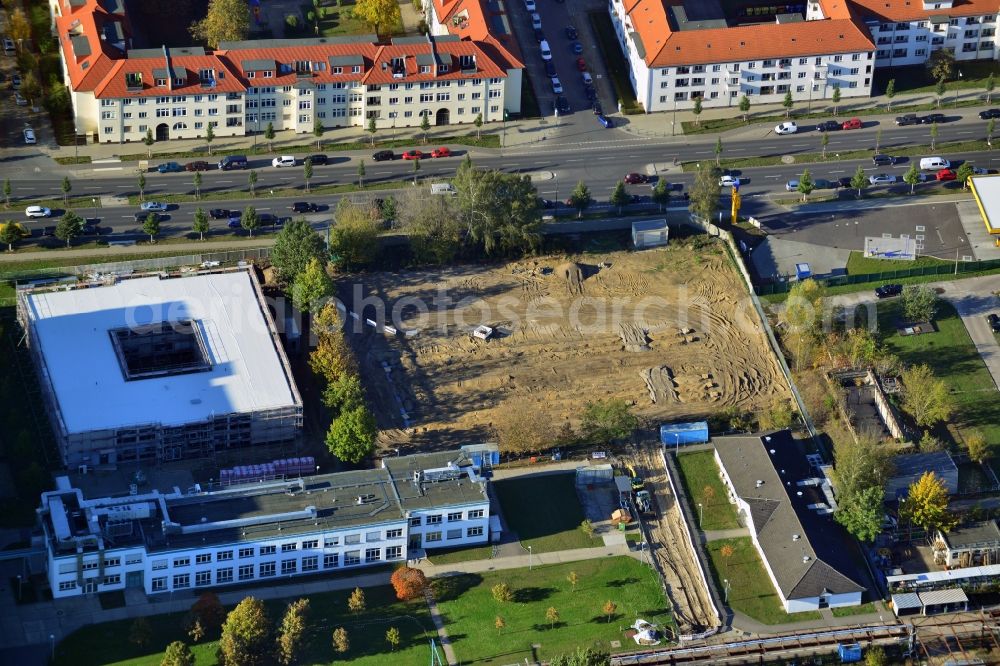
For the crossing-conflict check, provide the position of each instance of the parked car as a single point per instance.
(536, 21)
(545, 203)
(730, 181)
(539, 35)
(170, 167)
(235, 220)
(15, 82)
(853, 123)
(153, 206)
(269, 220)
(29, 136)
(598, 111)
(443, 151)
(824, 184)
(844, 181)
(581, 64)
(933, 118)
(49, 232)
(413, 155)
(562, 104)
(787, 127)
(994, 322)
(283, 161)
(90, 228)
(577, 48)
(142, 217)
(8, 46)
(908, 119)
(590, 93)
(19, 99)
(636, 178)
(304, 207)
(945, 174)
(529, 5)
(384, 156)
(792, 185)
(888, 290)
(828, 126)
(980, 171)
(546, 52)
(219, 213)
(605, 121)
(318, 159)
(882, 179)
(197, 166)
(571, 33)
(883, 160)
(588, 80)
(557, 88)
(37, 211)
(989, 113)
(550, 69)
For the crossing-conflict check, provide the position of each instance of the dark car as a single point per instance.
(91, 229)
(197, 166)
(889, 290)
(539, 35)
(598, 111)
(675, 187)
(219, 213)
(636, 178)
(169, 167)
(844, 181)
(318, 159)
(235, 219)
(908, 119)
(590, 93)
(384, 155)
(545, 203)
(550, 69)
(883, 160)
(571, 32)
(269, 220)
(994, 321)
(931, 118)
(142, 216)
(562, 104)
(49, 231)
(828, 126)
(304, 207)
(989, 113)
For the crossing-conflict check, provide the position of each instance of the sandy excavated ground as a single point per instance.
(669, 330)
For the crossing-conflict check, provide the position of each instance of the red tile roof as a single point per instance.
(913, 10)
(187, 67)
(470, 20)
(86, 22)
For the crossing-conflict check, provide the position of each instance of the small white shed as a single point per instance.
(649, 233)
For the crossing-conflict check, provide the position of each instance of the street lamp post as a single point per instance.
(529, 558)
(52, 639)
(18, 588)
(701, 514)
(726, 582)
(673, 119)
(93, 200)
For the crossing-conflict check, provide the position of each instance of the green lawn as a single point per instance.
(859, 264)
(456, 555)
(863, 609)
(750, 590)
(104, 644)
(952, 356)
(918, 79)
(699, 471)
(544, 511)
(470, 617)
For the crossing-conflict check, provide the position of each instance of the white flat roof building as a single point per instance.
(155, 354)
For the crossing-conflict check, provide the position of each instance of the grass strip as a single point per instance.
(607, 42)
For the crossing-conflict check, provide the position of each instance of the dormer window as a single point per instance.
(179, 82)
(338, 70)
(269, 75)
(251, 75)
(161, 83)
(425, 69)
(356, 69)
(133, 81)
(285, 68)
(442, 69)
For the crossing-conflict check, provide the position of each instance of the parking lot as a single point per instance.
(556, 16)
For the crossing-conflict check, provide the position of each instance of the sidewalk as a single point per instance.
(95, 255)
(743, 623)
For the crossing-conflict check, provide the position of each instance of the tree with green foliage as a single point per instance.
(425, 125)
(619, 197)
(745, 107)
(919, 302)
(991, 127)
(926, 504)
(934, 135)
(551, 616)
(148, 141)
(70, 226)
(718, 150)
(878, 139)
(312, 287)
(226, 21)
(318, 132)
(297, 243)
(499, 211)
(208, 610)
(252, 182)
(859, 464)
(18, 25)
(580, 198)
(361, 173)
(196, 180)
(30, 87)
(824, 142)
(392, 638)
(608, 420)
(67, 187)
(416, 170)
(388, 209)
(582, 657)
(806, 185)
(356, 603)
(478, 122)
(502, 593)
(925, 397)
(964, 173)
(435, 229)
(307, 171)
(246, 635)
(292, 632)
(859, 181)
(912, 176)
(941, 64)
(269, 135)
(940, 89)
(861, 513)
(7, 191)
(890, 92)
(200, 225)
(210, 136)
(354, 237)
(372, 128)
(10, 233)
(990, 85)
(250, 219)
(352, 435)
(141, 182)
(341, 642)
(344, 393)
(381, 15)
(661, 193)
(697, 110)
(151, 226)
(705, 192)
(835, 98)
(788, 103)
(875, 656)
(177, 654)
(977, 446)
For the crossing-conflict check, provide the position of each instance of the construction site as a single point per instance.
(670, 331)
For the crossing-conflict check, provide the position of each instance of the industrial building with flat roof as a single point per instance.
(160, 367)
(248, 533)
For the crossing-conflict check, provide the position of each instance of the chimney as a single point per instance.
(434, 58)
(170, 69)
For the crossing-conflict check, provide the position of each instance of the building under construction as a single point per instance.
(159, 367)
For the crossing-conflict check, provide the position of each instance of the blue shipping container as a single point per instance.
(849, 653)
(675, 434)
(802, 271)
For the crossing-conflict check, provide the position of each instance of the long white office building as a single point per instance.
(261, 531)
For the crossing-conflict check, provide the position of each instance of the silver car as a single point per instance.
(882, 179)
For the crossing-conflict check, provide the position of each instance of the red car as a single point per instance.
(412, 155)
(945, 174)
(581, 64)
(853, 123)
(635, 178)
(441, 152)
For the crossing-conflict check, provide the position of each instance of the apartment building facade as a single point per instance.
(258, 532)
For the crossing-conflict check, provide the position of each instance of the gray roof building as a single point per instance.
(911, 466)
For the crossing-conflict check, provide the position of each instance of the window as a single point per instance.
(224, 575)
(373, 536)
(158, 585)
(267, 569)
(352, 557)
(289, 547)
(474, 532)
(329, 542)
(159, 565)
(454, 516)
(178, 562)
(352, 539)
(434, 520)
(310, 563)
(415, 521)
(454, 534)
(224, 556)
(163, 113)
(393, 552)
(426, 97)
(181, 581)
(431, 537)
(203, 558)
(202, 578)
(133, 559)
(394, 534)
(245, 553)
(112, 562)
(373, 554)
(310, 545)
(331, 560)
(246, 572)
(71, 584)
(179, 111)
(268, 550)
(288, 567)
(113, 580)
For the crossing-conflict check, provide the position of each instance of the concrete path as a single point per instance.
(715, 535)
(449, 652)
(758, 629)
(126, 252)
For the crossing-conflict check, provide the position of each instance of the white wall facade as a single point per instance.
(912, 42)
(124, 120)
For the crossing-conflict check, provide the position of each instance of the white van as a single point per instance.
(443, 188)
(546, 51)
(934, 163)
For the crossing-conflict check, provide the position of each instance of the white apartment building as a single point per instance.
(260, 531)
(912, 42)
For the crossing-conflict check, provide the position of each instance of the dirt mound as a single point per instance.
(572, 273)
